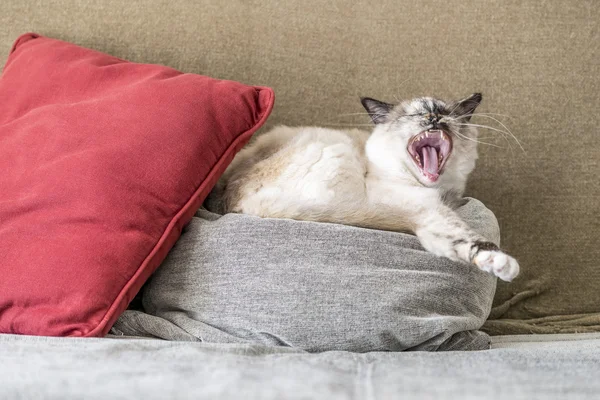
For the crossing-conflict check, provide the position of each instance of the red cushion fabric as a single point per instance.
(102, 162)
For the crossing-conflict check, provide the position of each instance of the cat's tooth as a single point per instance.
(426, 134)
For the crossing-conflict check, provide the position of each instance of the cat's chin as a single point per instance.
(430, 178)
(429, 151)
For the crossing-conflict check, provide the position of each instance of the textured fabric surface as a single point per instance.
(316, 287)
(536, 62)
(103, 162)
(545, 341)
(74, 368)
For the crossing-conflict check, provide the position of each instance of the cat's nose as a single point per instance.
(432, 118)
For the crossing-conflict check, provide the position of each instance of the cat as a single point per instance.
(407, 175)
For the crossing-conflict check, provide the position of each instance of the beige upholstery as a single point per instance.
(537, 62)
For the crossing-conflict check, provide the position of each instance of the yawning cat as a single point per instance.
(407, 175)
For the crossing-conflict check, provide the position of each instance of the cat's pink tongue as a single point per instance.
(430, 160)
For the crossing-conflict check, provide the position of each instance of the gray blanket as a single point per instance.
(71, 368)
(316, 287)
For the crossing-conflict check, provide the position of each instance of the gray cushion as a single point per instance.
(315, 286)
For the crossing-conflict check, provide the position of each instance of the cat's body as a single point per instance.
(405, 176)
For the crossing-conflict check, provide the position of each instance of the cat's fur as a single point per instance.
(370, 180)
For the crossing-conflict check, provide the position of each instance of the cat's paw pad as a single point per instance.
(498, 263)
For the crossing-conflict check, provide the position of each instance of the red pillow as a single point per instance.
(102, 163)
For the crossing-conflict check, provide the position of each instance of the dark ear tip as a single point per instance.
(364, 100)
(477, 97)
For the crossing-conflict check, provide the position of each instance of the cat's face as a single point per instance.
(428, 137)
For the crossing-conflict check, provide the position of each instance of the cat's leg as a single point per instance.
(442, 232)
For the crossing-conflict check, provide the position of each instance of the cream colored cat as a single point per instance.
(405, 176)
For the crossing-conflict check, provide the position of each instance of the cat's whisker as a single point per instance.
(482, 126)
(358, 113)
(504, 134)
(496, 114)
(398, 87)
(494, 129)
(505, 127)
(461, 136)
(485, 113)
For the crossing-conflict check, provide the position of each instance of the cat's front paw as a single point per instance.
(498, 263)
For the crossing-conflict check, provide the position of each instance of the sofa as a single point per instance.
(537, 67)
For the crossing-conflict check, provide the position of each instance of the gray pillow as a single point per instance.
(315, 286)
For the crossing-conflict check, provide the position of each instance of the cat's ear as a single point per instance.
(378, 110)
(467, 106)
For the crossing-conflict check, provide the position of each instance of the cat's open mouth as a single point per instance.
(430, 151)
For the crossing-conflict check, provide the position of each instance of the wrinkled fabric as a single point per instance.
(315, 287)
(73, 368)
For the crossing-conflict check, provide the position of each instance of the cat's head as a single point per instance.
(427, 137)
